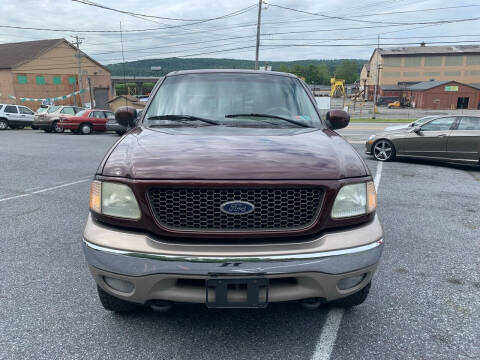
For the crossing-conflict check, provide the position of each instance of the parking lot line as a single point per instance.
(328, 336)
(45, 189)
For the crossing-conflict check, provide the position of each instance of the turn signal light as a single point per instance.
(371, 197)
(96, 196)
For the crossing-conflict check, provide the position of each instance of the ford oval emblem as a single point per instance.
(237, 207)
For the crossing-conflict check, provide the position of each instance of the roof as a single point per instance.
(15, 54)
(427, 85)
(239, 71)
(431, 50)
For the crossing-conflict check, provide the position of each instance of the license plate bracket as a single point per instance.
(256, 292)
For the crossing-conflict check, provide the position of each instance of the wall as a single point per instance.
(438, 98)
(59, 62)
(6, 87)
(462, 68)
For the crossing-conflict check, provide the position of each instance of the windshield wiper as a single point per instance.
(298, 123)
(181, 118)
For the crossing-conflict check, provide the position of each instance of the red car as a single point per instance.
(87, 121)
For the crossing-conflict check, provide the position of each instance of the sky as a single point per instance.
(234, 37)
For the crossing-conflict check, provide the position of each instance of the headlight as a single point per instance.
(354, 200)
(114, 199)
(371, 138)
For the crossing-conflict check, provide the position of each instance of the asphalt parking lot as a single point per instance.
(424, 303)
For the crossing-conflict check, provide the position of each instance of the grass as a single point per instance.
(380, 120)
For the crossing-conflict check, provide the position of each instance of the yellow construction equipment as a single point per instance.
(337, 87)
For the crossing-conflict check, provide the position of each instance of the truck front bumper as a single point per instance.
(157, 270)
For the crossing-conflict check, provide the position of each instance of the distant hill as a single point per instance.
(142, 67)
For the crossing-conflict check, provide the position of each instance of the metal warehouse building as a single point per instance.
(404, 66)
(47, 69)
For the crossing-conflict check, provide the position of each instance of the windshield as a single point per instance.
(81, 113)
(52, 109)
(236, 99)
(41, 110)
(423, 120)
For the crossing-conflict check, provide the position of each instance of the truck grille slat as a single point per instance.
(198, 209)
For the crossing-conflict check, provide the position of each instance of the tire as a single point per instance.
(57, 128)
(120, 133)
(383, 150)
(85, 129)
(3, 124)
(111, 303)
(354, 299)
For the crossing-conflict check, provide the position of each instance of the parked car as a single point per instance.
(49, 120)
(15, 116)
(447, 138)
(113, 125)
(232, 191)
(87, 121)
(417, 122)
(42, 109)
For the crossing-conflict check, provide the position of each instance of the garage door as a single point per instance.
(101, 97)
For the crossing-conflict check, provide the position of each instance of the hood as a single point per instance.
(397, 127)
(232, 153)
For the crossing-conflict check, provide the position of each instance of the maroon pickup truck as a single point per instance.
(232, 191)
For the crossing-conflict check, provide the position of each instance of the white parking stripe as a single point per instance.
(45, 190)
(326, 341)
(327, 338)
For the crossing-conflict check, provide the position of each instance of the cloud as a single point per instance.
(218, 38)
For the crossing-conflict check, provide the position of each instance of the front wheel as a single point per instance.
(383, 150)
(114, 304)
(3, 124)
(85, 129)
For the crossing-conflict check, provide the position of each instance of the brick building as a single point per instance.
(47, 69)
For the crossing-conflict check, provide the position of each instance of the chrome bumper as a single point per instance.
(132, 263)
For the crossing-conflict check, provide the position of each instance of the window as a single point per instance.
(57, 80)
(22, 79)
(77, 109)
(391, 74)
(469, 123)
(68, 110)
(97, 115)
(411, 74)
(392, 61)
(25, 110)
(433, 61)
(72, 80)
(414, 61)
(453, 60)
(473, 60)
(452, 73)
(81, 113)
(431, 73)
(1, 106)
(441, 124)
(52, 109)
(472, 72)
(11, 109)
(40, 80)
(111, 115)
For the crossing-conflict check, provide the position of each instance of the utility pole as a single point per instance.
(78, 41)
(257, 50)
(123, 65)
(90, 92)
(377, 78)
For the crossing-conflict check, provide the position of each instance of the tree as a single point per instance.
(347, 70)
(283, 68)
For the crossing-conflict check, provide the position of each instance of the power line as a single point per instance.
(235, 13)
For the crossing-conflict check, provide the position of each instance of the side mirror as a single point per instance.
(126, 116)
(337, 119)
(417, 129)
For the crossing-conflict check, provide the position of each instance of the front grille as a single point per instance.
(198, 209)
